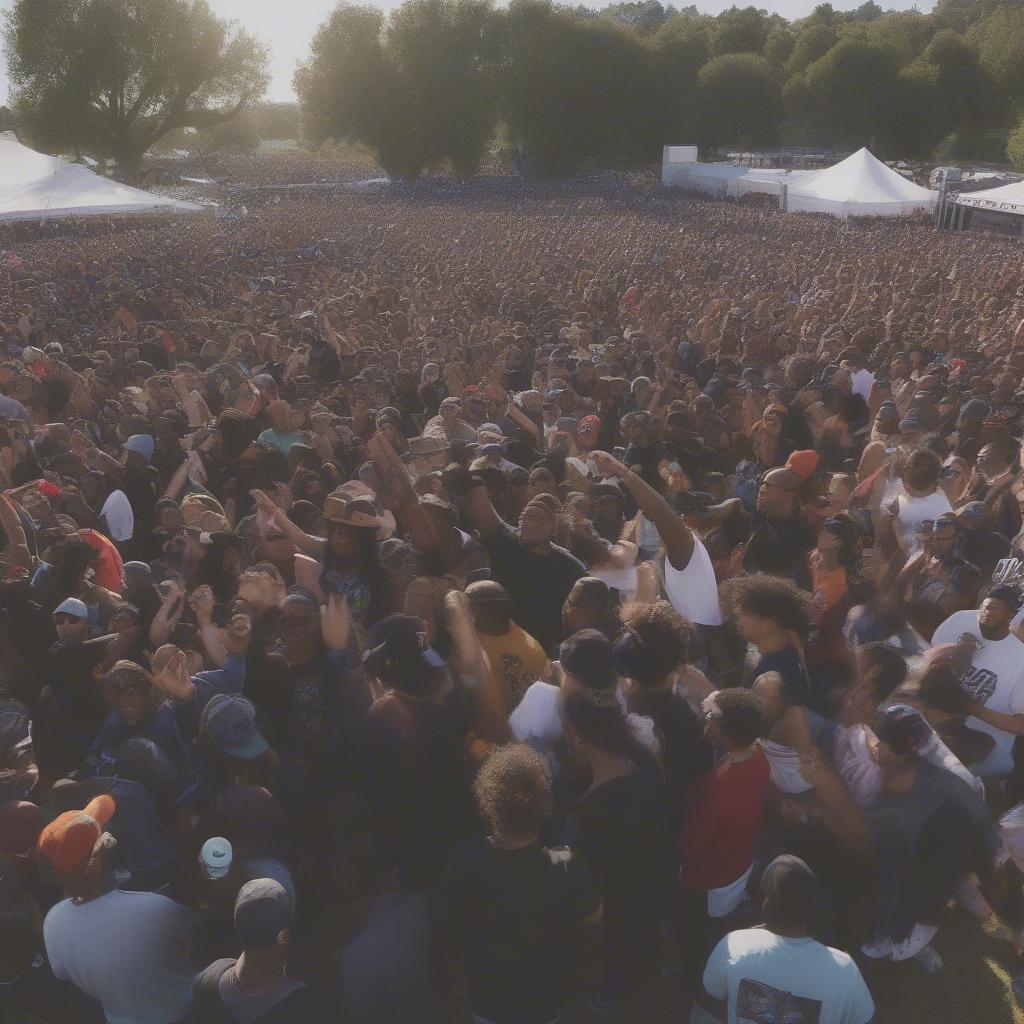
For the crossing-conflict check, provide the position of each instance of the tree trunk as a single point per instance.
(129, 166)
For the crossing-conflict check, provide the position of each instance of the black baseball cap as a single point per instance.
(589, 655)
(263, 909)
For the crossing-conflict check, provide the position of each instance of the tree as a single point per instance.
(574, 89)
(112, 77)
(645, 16)
(277, 120)
(418, 90)
(855, 91)
(741, 30)
(963, 94)
(739, 100)
(778, 48)
(447, 53)
(1015, 147)
(1000, 43)
(813, 40)
(679, 49)
(8, 119)
(350, 88)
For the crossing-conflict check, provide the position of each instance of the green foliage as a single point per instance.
(419, 89)
(574, 89)
(112, 77)
(853, 91)
(741, 30)
(999, 39)
(1015, 147)
(645, 16)
(277, 120)
(430, 84)
(739, 101)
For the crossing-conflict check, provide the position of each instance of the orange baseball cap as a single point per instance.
(68, 841)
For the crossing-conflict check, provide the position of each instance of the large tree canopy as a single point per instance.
(112, 77)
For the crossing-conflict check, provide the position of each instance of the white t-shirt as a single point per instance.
(126, 949)
(764, 976)
(120, 519)
(995, 680)
(863, 382)
(693, 591)
(537, 720)
(913, 511)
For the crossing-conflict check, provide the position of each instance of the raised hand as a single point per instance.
(336, 622)
(237, 635)
(170, 672)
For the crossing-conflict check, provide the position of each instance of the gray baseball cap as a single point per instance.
(263, 910)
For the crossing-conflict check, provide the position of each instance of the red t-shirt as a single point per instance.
(720, 821)
(109, 567)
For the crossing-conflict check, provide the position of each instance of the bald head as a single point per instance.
(779, 493)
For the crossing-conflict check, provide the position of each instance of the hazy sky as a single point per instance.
(288, 25)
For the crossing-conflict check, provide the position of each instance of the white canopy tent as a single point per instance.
(1004, 199)
(34, 186)
(859, 186)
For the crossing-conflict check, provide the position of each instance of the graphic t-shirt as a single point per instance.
(768, 979)
(517, 662)
(995, 680)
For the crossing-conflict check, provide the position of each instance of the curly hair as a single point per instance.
(513, 791)
(770, 597)
(655, 640)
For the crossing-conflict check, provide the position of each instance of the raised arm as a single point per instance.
(16, 552)
(473, 497)
(315, 547)
(397, 488)
(674, 533)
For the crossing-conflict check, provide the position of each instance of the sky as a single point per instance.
(288, 26)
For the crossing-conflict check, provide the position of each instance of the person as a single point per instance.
(536, 573)
(512, 908)
(757, 974)
(618, 831)
(412, 748)
(720, 818)
(930, 829)
(918, 498)
(779, 542)
(648, 652)
(994, 682)
(979, 544)
(255, 988)
(125, 949)
(516, 660)
(937, 582)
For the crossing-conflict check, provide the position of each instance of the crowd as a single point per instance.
(449, 608)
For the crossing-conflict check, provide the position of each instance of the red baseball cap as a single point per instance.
(66, 844)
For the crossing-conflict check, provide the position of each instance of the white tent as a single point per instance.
(35, 186)
(1004, 199)
(859, 186)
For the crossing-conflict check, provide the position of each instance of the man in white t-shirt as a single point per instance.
(689, 575)
(125, 949)
(995, 680)
(779, 972)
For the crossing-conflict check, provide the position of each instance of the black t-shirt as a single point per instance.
(686, 755)
(796, 683)
(620, 833)
(779, 547)
(983, 548)
(218, 1001)
(537, 585)
(516, 915)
